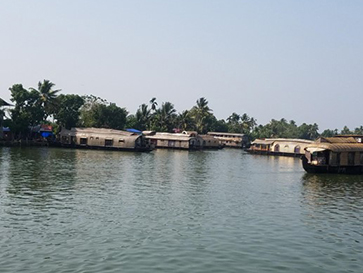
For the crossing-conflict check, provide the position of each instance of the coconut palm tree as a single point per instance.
(184, 120)
(143, 117)
(200, 113)
(153, 104)
(47, 96)
(164, 117)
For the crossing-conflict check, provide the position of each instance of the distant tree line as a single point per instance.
(44, 105)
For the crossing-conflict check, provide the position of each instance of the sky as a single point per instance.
(298, 60)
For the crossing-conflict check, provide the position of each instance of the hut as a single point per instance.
(101, 138)
(279, 146)
(232, 140)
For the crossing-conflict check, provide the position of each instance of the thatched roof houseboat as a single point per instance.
(340, 154)
(231, 139)
(279, 146)
(101, 138)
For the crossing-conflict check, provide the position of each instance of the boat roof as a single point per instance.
(225, 134)
(170, 136)
(335, 147)
(336, 139)
(269, 141)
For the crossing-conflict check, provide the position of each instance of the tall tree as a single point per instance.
(47, 96)
(97, 112)
(153, 104)
(143, 117)
(184, 121)
(164, 118)
(346, 131)
(26, 112)
(358, 130)
(68, 110)
(200, 113)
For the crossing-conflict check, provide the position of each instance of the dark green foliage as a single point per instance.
(201, 115)
(240, 124)
(346, 131)
(164, 118)
(68, 110)
(329, 133)
(47, 97)
(34, 106)
(97, 112)
(27, 111)
(284, 129)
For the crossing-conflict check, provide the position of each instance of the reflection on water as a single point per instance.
(174, 211)
(333, 188)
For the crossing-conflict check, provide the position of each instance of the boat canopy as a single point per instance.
(346, 147)
(314, 149)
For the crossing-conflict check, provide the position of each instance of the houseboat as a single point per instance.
(230, 139)
(101, 138)
(279, 146)
(341, 154)
(185, 140)
(210, 142)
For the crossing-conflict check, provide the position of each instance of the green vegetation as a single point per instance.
(45, 105)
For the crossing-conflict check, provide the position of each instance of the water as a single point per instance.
(174, 211)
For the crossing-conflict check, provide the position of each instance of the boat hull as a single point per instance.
(262, 152)
(309, 168)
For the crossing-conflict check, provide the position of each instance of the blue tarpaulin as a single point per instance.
(46, 134)
(134, 131)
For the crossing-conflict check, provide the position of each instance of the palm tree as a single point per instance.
(234, 118)
(47, 96)
(184, 121)
(313, 131)
(164, 117)
(153, 104)
(143, 117)
(200, 113)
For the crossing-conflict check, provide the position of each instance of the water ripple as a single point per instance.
(174, 211)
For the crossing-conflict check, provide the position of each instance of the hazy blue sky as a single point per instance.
(300, 60)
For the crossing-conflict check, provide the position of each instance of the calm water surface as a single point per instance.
(174, 211)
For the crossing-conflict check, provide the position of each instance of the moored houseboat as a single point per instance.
(334, 155)
(231, 140)
(210, 142)
(279, 146)
(185, 141)
(101, 138)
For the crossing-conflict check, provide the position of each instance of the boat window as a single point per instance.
(108, 142)
(333, 158)
(361, 158)
(351, 158)
(338, 158)
(83, 141)
(277, 148)
(297, 149)
(121, 140)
